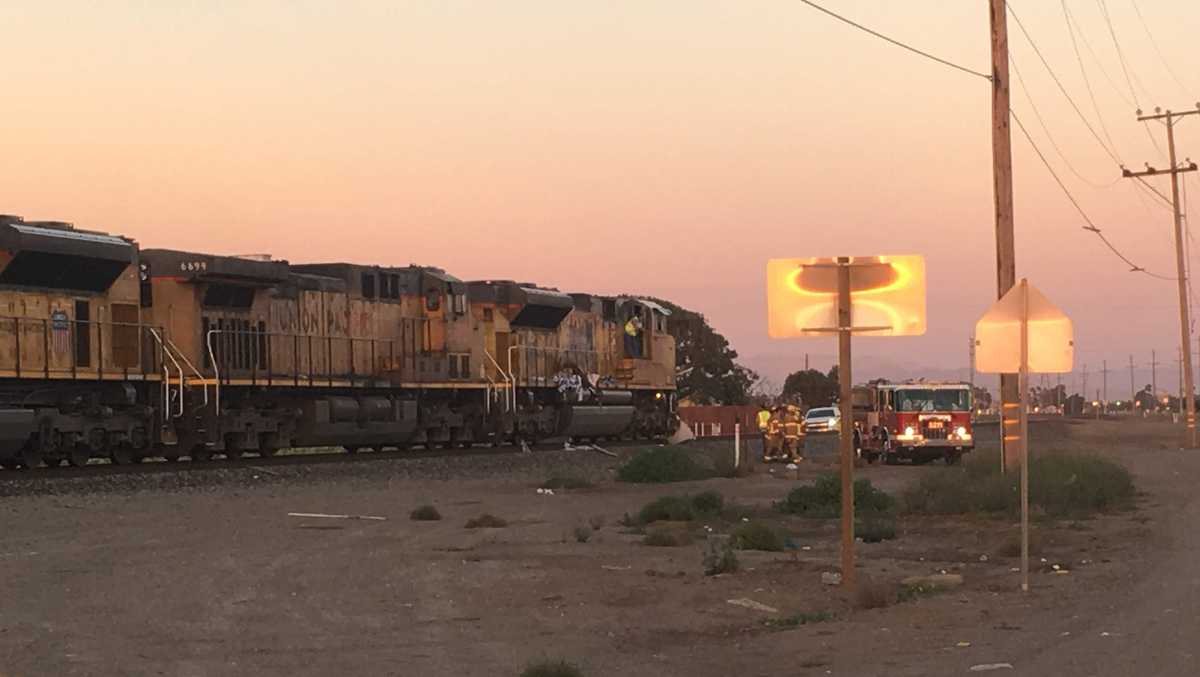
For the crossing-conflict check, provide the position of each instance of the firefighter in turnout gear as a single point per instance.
(793, 433)
(763, 419)
(773, 439)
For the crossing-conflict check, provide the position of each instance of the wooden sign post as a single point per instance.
(878, 295)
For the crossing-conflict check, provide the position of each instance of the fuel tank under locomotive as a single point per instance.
(607, 414)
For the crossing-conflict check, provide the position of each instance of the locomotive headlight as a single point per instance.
(961, 432)
(658, 396)
(908, 432)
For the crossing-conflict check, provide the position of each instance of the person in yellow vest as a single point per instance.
(793, 434)
(763, 419)
(633, 336)
(773, 439)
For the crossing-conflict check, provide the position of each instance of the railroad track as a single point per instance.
(285, 458)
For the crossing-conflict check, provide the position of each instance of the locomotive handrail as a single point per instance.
(546, 349)
(212, 359)
(507, 379)
(167, 373)
(191, 366)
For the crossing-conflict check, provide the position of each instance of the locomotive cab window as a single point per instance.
(433, 300)
(368, 286)
(460, 304)
(219, 295)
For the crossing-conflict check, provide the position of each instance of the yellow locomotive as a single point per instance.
(109, 351)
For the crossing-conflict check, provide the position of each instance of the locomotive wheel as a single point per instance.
(122, 454)
(78, 455)
(352, 449)
(201, 453)
(268, 444)
(170, 454)
(233, 446)
(10, 463)
(31, 456)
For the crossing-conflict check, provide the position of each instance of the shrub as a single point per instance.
(708, 503)
(682, 508)
(798, 619)
(823, 498)
(486, 521)
(758, 536)
(583, 534)
(571, 482)
(661, 464)
(915, 591)
(875, 528)
(719, 557)
(425, 513)
(870, 594)
(666, 538)
(1060, 485)
(548, 668)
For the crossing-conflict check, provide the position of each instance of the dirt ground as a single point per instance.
(205, 575)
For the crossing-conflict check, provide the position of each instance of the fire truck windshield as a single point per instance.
(930, 399)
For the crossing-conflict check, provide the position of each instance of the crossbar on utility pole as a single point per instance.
(1168, 118)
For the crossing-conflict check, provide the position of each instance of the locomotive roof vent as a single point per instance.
(53, 254)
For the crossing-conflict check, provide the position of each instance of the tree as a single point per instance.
(812, 387)
(706, 366)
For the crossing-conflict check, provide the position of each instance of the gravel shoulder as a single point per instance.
(204, 573)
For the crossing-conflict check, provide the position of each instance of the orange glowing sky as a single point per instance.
(666, 148)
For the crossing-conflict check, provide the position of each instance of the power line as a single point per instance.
(1111, 152)
(1096, 58)
(1154, 43)
(1049, 136)
(1091, 225)
(1125, 69)
(895, 42)
(1083, 71)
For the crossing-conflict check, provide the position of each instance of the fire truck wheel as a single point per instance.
(953, 457)
(891, 459)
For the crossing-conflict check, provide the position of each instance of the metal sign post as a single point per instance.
(1006, 345)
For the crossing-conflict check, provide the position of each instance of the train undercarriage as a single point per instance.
(56, 424)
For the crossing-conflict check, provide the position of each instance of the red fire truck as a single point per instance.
(915, 421)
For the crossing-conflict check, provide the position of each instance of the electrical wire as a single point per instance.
(1049, 136)
(1111, 152)
(1087, 82)
(1091, 225)
(1125, 69)
(1154, 43)
(1096, 58)
(895, 42)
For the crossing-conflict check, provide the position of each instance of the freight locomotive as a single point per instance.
(112, 351)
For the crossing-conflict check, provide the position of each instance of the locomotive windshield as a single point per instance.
(930, 399)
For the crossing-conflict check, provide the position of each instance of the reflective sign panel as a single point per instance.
(887, 296)
(998, 336)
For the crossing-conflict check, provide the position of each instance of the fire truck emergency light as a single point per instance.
(887, 296)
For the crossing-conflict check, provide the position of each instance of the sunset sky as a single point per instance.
(664, 147)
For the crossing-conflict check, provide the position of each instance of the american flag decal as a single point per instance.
(60, 331)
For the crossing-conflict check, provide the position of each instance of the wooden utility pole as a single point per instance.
(1011, 443)
(846, 437)
(1168, 118)
(1084, 389)
(1104, 400)
(971, 357)
(1154, 377)
(1132, 388)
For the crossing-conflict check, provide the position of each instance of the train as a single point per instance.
(109, 350)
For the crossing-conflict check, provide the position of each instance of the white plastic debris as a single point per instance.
(963, 645)
(983, 558)
(988, 667)
(831, 578)
(748, 603)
